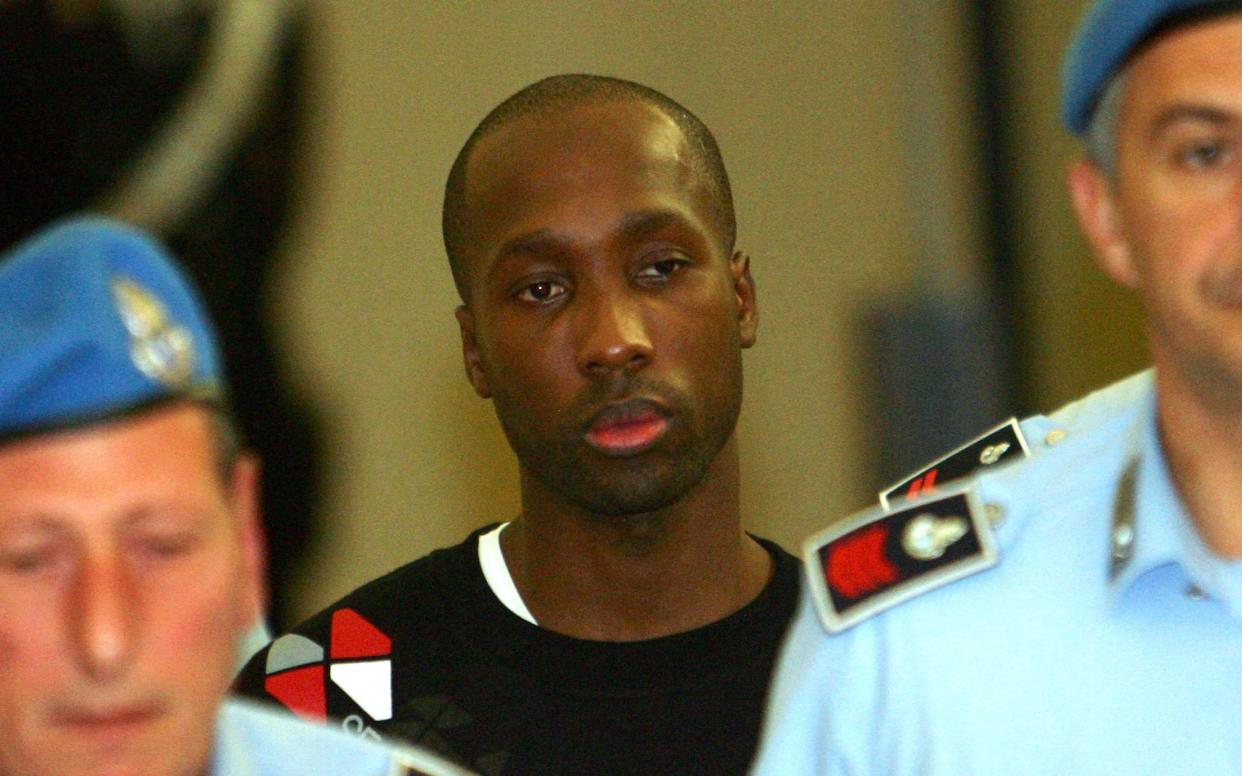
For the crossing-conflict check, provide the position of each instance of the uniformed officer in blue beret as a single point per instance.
(129, 559)
(1078, 610)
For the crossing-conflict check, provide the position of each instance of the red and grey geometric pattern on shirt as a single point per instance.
(358, 662)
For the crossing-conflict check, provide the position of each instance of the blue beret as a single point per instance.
(97, 321)
(1109, 31)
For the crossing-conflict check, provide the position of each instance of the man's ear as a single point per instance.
(470, 353)
(244, 500)
(1095, 204)
(747, 300)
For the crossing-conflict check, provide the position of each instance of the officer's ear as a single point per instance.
(470, 353)
(1099, 215)
(244, 501)
(747, 299)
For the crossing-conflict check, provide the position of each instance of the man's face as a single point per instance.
(126, 574)
(605, 317)
(1170, 225)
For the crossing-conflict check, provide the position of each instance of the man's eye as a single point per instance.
(540, 292)
(662, 268)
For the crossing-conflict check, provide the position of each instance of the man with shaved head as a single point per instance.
(623, 621)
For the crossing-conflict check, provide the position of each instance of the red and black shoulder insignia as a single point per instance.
(992, 447)
(876, 559)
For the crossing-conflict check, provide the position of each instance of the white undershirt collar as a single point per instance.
(496, 572)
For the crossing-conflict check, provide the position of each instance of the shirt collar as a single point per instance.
(1163, 532)
(230, 756)
(1148, 504)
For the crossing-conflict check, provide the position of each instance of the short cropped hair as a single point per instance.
(1101, 136)
(563, 92)
(226, 439)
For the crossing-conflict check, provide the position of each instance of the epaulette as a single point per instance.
(877, 558)
(994, 446)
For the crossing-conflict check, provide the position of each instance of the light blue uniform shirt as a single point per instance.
(253, 741)
(1046, 662)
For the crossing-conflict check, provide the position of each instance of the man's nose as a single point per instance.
(104, 617)
(616, 336)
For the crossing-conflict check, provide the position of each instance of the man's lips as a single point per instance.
(627, 427)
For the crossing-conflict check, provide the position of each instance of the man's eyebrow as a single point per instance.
(536, 242)
(1191, 112)
(632, 226)
(640, 223)
(540, 242)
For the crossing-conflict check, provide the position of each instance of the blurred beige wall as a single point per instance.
(1088, 330)
(805, 99)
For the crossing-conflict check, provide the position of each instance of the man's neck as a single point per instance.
(628, 578)
(1203, 443)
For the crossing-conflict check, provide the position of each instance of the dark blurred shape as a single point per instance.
(998, 194)
(144, 110)
(937, 374)
(944, 353)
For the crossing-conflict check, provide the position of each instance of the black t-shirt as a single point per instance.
(474, 681)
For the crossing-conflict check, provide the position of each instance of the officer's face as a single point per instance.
(126, 576)
(1171, 225)
(605, 319)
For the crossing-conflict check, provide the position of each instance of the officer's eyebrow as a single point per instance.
(27, 523)
(1192, 112)
(181, 513)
